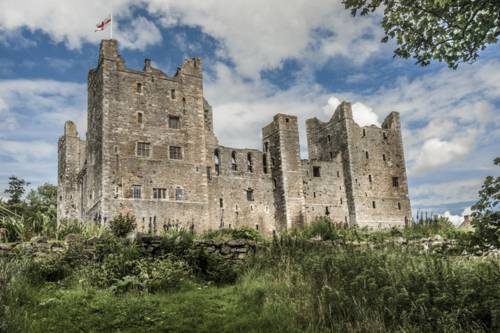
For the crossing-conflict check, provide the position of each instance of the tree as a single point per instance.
(16, 190)
(451, 31)
(486, 212)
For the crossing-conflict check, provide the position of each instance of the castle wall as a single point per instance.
(70, 149)
(230, 204)
(324, 190)
(281, 140)
(151, 151)
(371, 157)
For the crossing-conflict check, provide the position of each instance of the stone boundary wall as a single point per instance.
(239, 249)
(235, 249)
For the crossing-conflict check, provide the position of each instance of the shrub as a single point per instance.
(163, 274)
(69, 226)
(212, 267)
(46, 268)
(238, 233)
(122, 225)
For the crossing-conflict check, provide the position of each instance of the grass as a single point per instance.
(291, 285)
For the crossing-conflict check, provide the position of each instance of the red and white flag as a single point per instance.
(102, 25)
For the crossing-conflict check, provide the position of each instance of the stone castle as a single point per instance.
(150, 150)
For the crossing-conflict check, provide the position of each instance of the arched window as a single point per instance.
(217, 162)
(249, 162)
(234, 165)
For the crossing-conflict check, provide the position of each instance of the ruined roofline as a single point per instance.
(108, 50)
(254, 150)
(344, 111)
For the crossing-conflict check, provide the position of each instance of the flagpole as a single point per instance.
(111, 30)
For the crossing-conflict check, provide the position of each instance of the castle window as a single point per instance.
(364, 132)
(234, 165)
(374, 205)
(136, 191)
(179, 194)
(256, 227)
(395, 182)
(329, 138)
(341, 201)
(249, 162)
(399, 205)
(175, 153)
(370, 178)
(331, 155)
(327, 211)
(183, 102)
(221, 203)
(209, 173)
(338, 174)
(138, 88)
(314, 194)
(139, 117)
(383, 157)
(264, 163)
(384, 135)
(316, 171)
(172, 94)
(287, 120)
(367, 155)
(174, 122)
(159, 193)
(143, 149)
(266, 146)
(250, 194)
(217, 162)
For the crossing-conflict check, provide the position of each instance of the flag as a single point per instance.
(103, 24)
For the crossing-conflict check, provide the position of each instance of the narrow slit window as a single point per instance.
(250, 194)
(179, 194)
(172, 93)
(139, 117)
(364, 132)
(395, 182)
(264, 163)
(234, 165)
(370, 178)
(217, 162)
(399, 205)
(374, 205)
(367, 155)
(138, 88)
(249, 162)
(383, 157)
(316, 171)
(221, 203)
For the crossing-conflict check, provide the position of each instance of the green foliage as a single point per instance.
(122, 225)
(69, 226)
(450, 31)
(16, 190)
(237, 233)
(486, 212)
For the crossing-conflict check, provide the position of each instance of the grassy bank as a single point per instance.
(289, 287)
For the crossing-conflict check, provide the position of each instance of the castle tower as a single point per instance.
(70, 149)
(281, 141)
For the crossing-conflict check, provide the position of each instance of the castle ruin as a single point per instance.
(151, 151)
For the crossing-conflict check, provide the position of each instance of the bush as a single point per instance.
(238, 233)
(163, 274)
(47, 268)
(69, 226)
(122, 225)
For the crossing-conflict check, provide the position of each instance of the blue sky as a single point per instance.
(260, 57)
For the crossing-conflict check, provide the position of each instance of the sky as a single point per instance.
(260, 57)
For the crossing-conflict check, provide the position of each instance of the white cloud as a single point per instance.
(435, 153)
(363, 115)
(260, 34)
(73, 22)
(457, 220)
